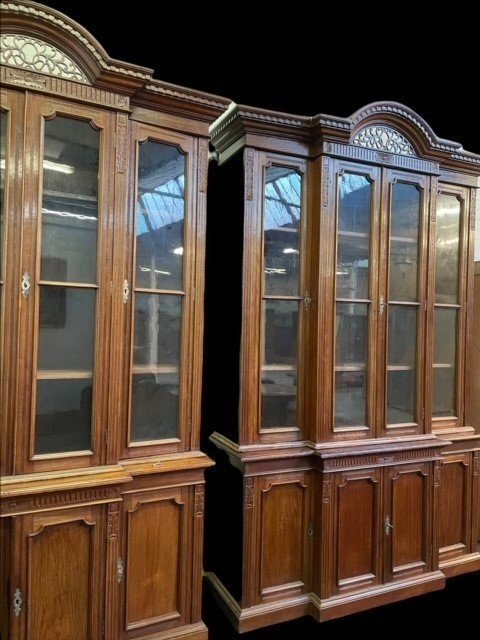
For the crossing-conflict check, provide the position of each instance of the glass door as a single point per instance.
(65, 288)
(448, 306)
(355, 322)
(160, 305)
(402, 302)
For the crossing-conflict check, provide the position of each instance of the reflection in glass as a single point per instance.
(353, 253)
(3, 160)
(402, 331)
(405, 213)
(66, 329)
(159, 217)
(70, 201)
(404, 234)
(352, 267)
(400, 396)
(156, 358)
(444, 362)
(157, 329)
(350, 396)
(281, 323)
(63, 417)
(279, 398)
(351, 334)
(354, 204)
(447, 249)
(155, 406)
(283, 190)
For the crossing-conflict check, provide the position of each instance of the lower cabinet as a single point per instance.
(458, 512)
(58, 574)
(126, 567)
(381, 527)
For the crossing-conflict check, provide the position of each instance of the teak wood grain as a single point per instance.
(389, 502)
(107, 541)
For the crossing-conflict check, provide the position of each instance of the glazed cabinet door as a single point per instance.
(156, 589)
(448, 303)
(402, 302)
(11, 167)
(57, 586)
(356, 538)
(408, 521)
(354, 316)
(275, 285)
(65, 290)
(281, 554)
(158, 310)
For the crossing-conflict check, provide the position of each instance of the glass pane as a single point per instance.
(279, 399)
(281, 323)
(443, 392)
(157, 329)
(156, 358)
(354, 205)
(352, 267)
(3, 160)
(155, 406)
(444, 362)
(160, 215)
(402, 331)
(70, 201)
(351, 334)
(447, 249)
(400, 396)
(404, 231)
(66, 329)
(64, 415)
(350, 398)
(283, 191)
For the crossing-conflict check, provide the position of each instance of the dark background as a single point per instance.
(291, 61)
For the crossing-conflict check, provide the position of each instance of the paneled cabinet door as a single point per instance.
(11, 166)
(159, 243)
(455, 506)
(408, 521)
(65, 293)
(57, 585)
(158, 532)
(357, 540)
(286, 536)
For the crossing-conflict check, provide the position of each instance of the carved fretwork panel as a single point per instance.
(382, 138)
(33, 54)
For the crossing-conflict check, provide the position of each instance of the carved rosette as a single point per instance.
(33, 54)
(382, 138)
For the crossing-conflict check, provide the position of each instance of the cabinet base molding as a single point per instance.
(378, 596)
(261, 615)
(459, 566)
(196, 631)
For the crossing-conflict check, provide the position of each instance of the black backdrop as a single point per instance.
(291, 61)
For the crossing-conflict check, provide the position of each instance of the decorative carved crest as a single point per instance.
(37, 55)
(382, 138)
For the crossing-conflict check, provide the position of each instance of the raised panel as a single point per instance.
(357, 547)
(454, 509)
(284, 536)
(59, 569)
(409, 514)
(155, 559)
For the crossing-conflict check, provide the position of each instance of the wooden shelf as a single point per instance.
(279, 367)
(154, 369)
(60, 374)
(353, 234)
